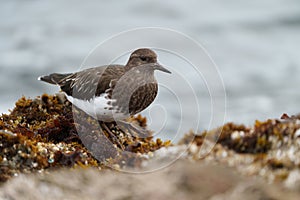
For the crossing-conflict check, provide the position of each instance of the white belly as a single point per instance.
(98, 108)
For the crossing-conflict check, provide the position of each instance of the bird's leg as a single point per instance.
(142, 132)
(114, 138)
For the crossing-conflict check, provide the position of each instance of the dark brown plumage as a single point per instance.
(125, 89)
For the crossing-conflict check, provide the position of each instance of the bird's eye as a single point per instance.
(144, 58)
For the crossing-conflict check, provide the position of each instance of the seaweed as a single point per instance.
(49, 133)
(41, 134)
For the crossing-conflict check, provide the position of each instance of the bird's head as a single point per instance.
(145, 57)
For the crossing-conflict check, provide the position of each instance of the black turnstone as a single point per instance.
(113, 92)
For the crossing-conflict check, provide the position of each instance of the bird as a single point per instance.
(112, 93)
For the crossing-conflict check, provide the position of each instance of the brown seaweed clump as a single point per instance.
(47, 132)
(270, 149)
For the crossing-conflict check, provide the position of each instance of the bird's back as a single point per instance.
(87, 83)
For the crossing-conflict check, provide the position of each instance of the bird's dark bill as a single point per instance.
(161, 68)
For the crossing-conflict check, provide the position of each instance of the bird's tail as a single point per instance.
(54, 78)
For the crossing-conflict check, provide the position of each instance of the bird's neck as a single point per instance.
(130, 66)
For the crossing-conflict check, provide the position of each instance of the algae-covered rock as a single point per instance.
(41, 134)
(269, 149)
(48, 133)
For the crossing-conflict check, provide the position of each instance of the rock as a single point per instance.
(182, 180)
(45, 152)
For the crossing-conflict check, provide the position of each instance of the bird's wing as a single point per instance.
(90, 82)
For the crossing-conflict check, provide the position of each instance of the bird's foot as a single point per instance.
(112, 135)
(140, 131)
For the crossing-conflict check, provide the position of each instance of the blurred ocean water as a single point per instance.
(255, 45)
